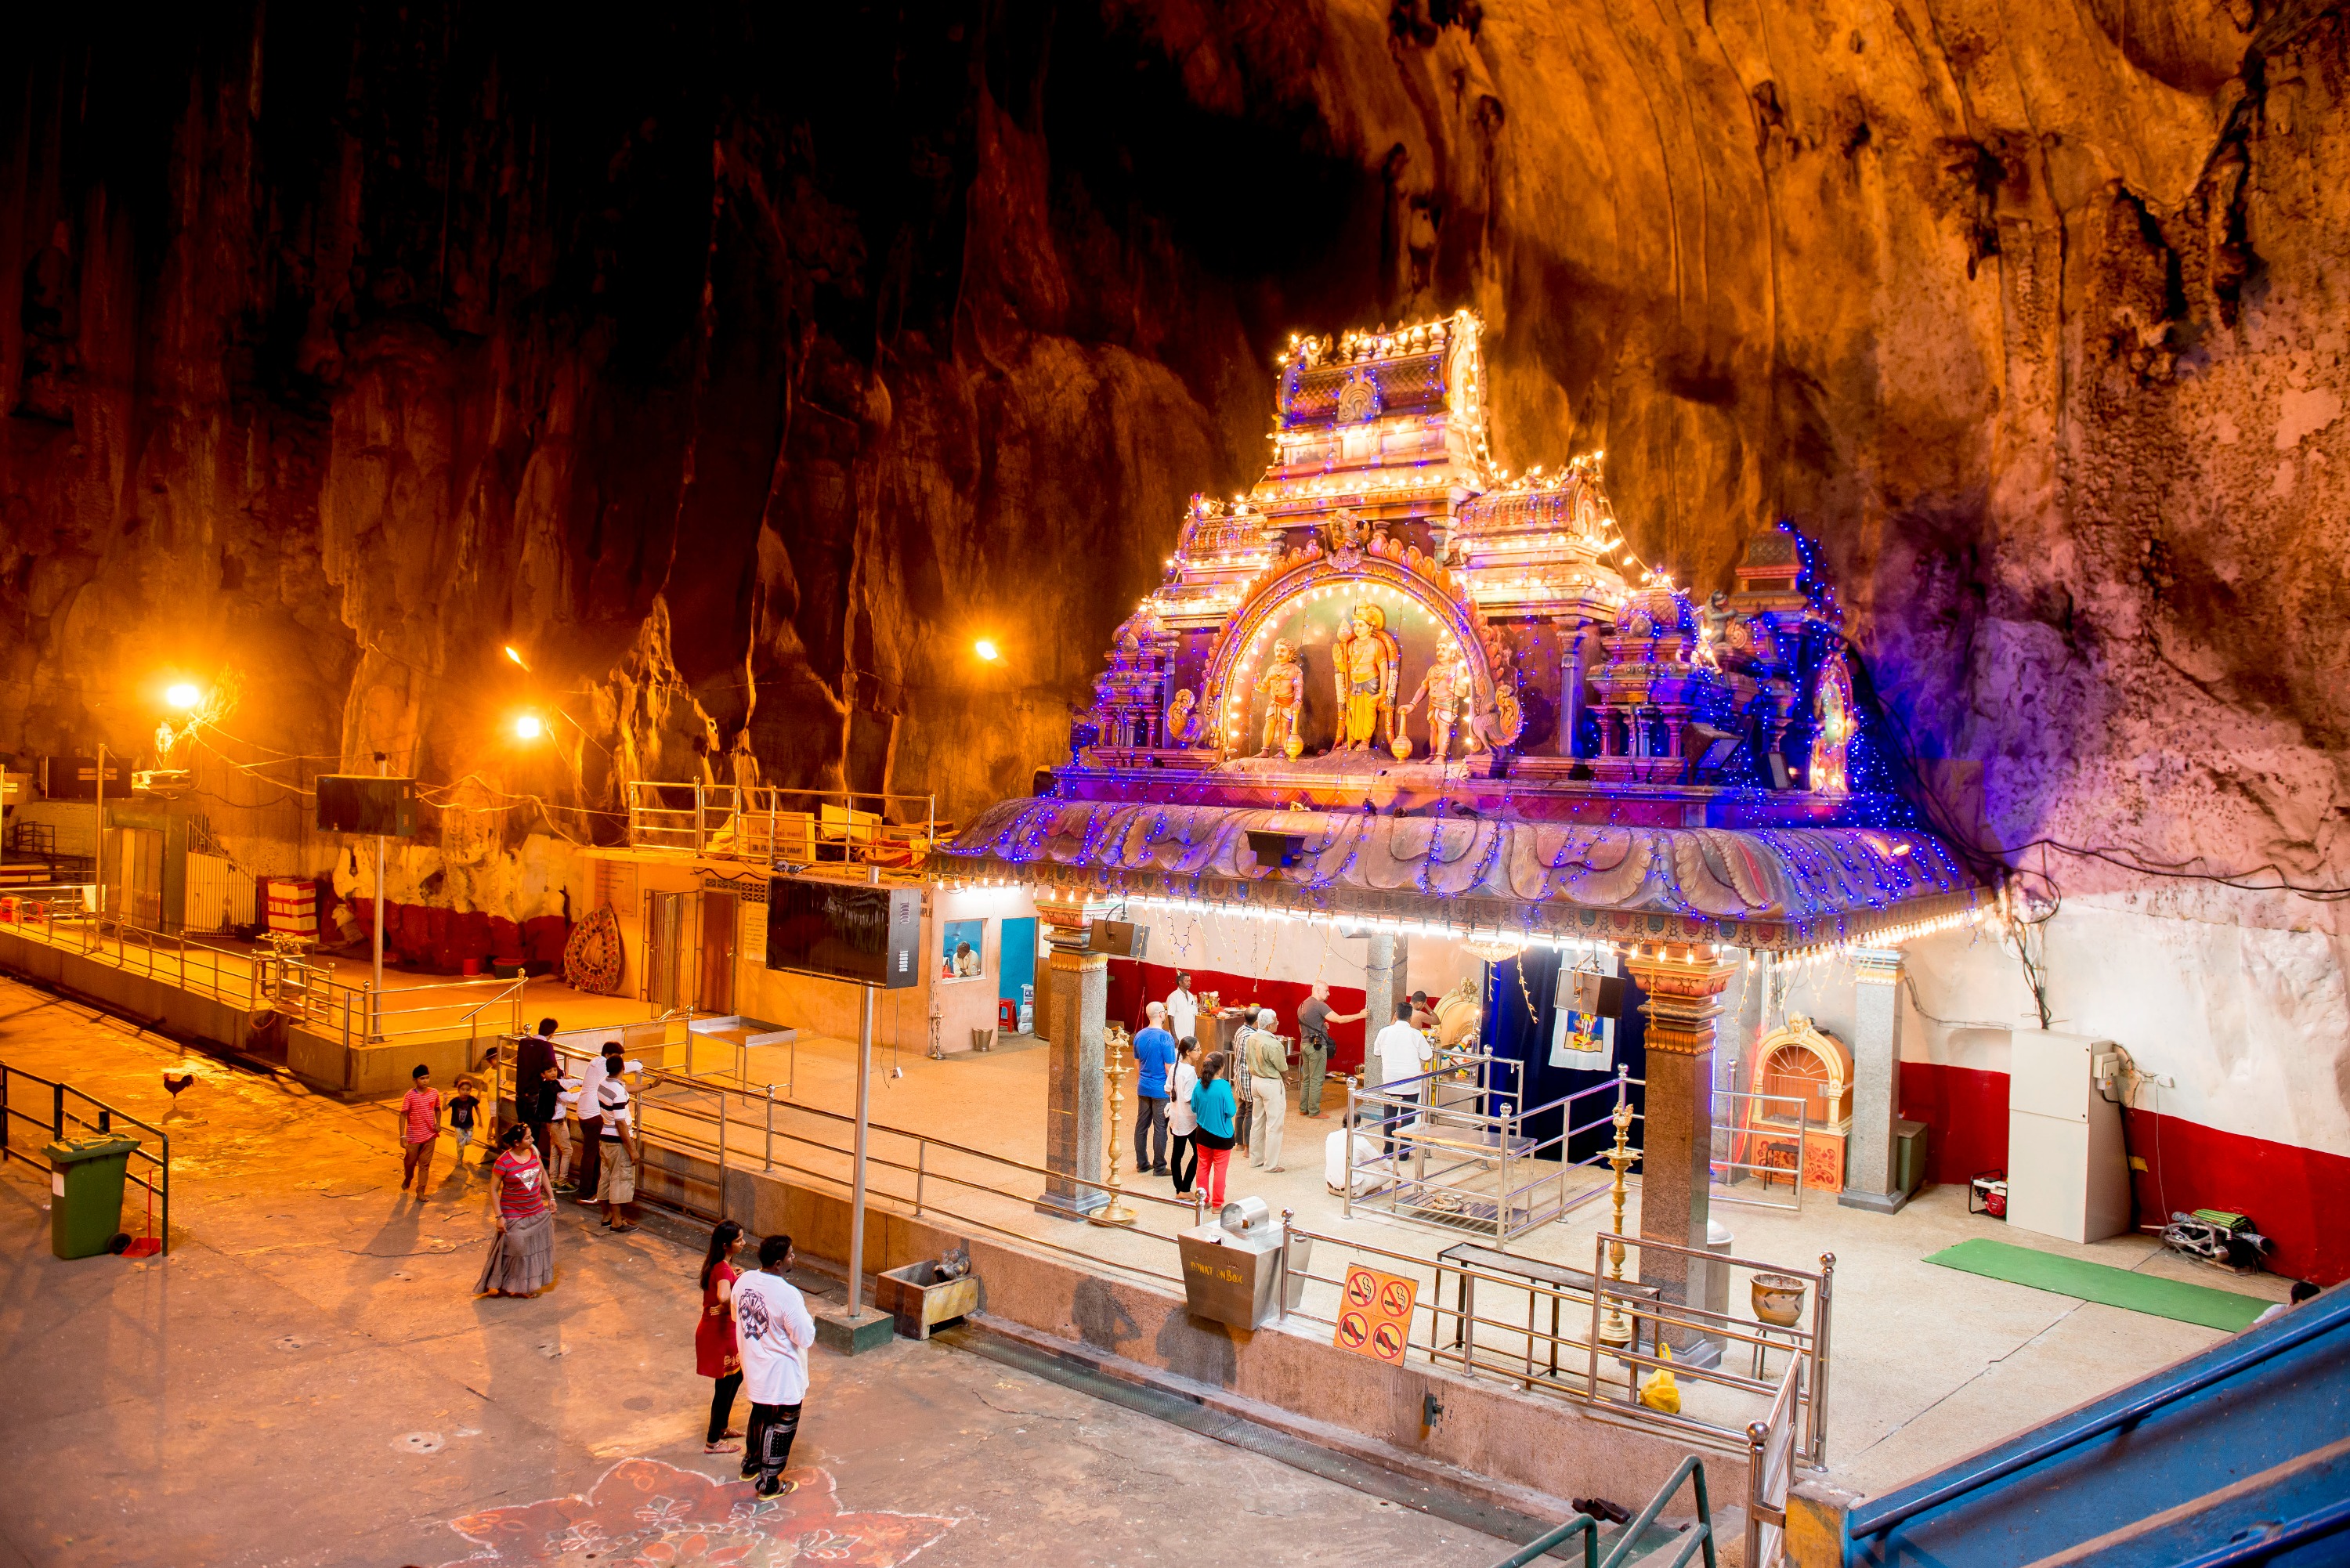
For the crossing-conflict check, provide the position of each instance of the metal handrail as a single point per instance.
(1723, 1188)
(107, 1116)
(1894, 1509)
(1804, 1345)
(1691, 1469)
(736, 822)
(1770, 1463)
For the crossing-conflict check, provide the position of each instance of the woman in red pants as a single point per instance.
(1213, 1104)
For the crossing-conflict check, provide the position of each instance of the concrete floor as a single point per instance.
(1928, 1364)
(308, 1379)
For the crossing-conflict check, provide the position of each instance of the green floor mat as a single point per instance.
(2096, 1282)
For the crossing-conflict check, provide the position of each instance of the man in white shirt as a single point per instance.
(773, 1331)
(1404, 1053)
(589, 1174)
(1184, 1011)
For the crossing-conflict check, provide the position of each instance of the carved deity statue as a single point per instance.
(1446, 689)
(1183, 724)
(1365, 680)
(1283, 683)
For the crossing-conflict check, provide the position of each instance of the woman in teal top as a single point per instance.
(1213, 1104)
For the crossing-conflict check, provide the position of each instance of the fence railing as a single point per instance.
(1770, 1470)
(1682, 1322)
(721, 1127)
(774, 827)
(1735, 1176)
(63, 1106)
(293, 984)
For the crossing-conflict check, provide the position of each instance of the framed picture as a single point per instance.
(962, 950)
(1580, 1041)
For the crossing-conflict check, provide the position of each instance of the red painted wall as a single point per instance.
(1967, 1112)
(1132, 983)
(2298, 1197)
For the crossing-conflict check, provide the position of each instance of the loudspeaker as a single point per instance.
(857, 933)
(1119, 939)
(1593, 994)
(1276, 848)
(368, 806)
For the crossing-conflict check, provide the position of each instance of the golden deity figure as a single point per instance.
(1446, 689)
(1284, 686)
(1183, 724)
(1368, 657)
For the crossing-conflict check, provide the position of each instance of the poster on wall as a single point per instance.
(962, 944)
(1580, 1041)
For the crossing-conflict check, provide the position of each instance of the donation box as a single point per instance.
(1232, 1269)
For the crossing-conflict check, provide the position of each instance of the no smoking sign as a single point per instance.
(1374, 1316)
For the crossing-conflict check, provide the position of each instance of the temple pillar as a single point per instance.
(1684, 985)
(1387, 963)
(1074, 1084)
(1868, 1152)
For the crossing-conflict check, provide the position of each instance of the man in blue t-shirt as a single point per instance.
(1154, 1059)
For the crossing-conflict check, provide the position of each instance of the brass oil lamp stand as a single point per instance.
(1114, 1070)
(1615, 1328)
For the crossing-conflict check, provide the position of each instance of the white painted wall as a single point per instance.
(2253, 1022)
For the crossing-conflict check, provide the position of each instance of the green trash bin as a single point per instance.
(86, 1192)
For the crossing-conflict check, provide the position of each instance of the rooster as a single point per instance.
(175, 1082)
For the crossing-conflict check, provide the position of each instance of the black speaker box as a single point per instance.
(365, 805)
(1119, 939)
(1593, 994)
(863, 934)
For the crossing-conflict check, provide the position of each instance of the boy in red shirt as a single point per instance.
(419, 1128)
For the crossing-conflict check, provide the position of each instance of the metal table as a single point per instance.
(1465, 1256)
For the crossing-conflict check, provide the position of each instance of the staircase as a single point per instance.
(2235, 1455)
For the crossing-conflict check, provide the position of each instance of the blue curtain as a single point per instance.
(1523, 1034)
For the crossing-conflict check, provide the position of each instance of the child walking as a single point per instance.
(463, 1106)
(419, 1129)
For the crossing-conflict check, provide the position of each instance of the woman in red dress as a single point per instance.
(521, 1254)
(714, 1352)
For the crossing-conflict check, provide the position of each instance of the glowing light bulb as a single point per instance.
(512, 654)
(184, 696)
(527, 727)
(986, 650)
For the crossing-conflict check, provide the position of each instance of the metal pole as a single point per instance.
(381, 767)
(856, 1199)
(101, 836)
(721, 1152)
(768, 1160)
(922, 1169)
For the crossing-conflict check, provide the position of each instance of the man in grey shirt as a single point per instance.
(1313, 1021)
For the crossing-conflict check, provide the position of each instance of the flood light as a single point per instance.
(184, 696)
(527, 727)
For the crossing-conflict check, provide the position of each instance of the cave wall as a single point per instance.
(740, 366)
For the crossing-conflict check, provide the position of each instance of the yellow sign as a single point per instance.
(1375, 1315)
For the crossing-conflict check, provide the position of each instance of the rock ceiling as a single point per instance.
(742, 367)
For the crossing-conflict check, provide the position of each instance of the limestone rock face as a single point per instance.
(740, 367)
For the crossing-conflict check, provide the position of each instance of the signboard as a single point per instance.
(1375, 1313)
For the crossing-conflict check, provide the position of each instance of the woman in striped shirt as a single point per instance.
(521, 1254)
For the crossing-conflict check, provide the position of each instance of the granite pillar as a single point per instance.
(1074, 1084)
(1684, 985)
(1868, 1152)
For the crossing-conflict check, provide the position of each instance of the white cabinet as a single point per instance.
(2066, 1174)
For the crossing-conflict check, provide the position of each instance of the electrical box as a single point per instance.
(2066, 1176)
